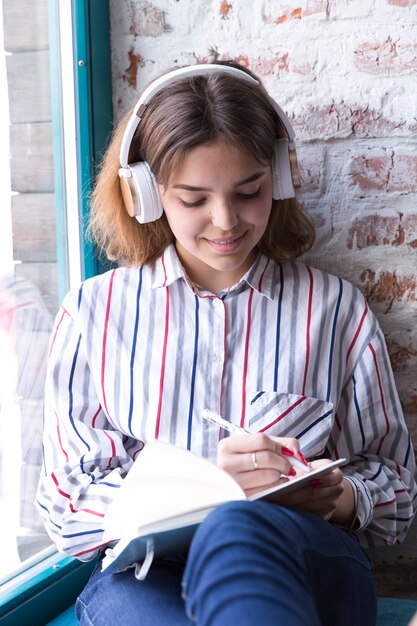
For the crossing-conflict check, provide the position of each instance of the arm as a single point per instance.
(85, 458)
(371, 431)
(376, 493)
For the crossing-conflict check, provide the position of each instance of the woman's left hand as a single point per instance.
(330, 496)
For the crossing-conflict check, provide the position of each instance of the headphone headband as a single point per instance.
(195, 70)
(138, 185)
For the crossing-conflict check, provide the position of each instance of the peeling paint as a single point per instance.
(380, 230)
(225, 8)
(387, 287)
(130, 75)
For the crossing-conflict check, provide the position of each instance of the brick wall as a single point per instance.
(345, 73)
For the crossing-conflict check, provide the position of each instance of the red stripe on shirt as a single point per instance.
(104, 345)
(59, 437)
(93, 421)
(358, 330)
(381, 393)
(291, 408)
(379, 504)
(56, 329)
(74, 510)
(224, 360)
(245, 358)
(67, 495)
(163, 363)
(113, 449)
(54, 478)
(308, 325)
(90, 549)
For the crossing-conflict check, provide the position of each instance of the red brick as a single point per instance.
(265, 67)
(390, 172)
(339, 119)
(312, 7)
(130, 75)
(291, 14)
(386, 57)
(225, 8)
(319, 121)
(403, 358)
(379, 230)
(243, 60)
(388, 287)
(403, 3)
(147, 20)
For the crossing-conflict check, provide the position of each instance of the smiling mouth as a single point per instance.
(229, 245)
(226, 242)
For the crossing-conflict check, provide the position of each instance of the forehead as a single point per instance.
(214, 161)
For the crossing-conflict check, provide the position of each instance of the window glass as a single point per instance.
(29, 269)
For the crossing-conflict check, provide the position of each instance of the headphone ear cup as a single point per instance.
(284, 171)
(140, 192)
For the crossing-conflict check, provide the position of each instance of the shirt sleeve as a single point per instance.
(372, 434)
(85, 459)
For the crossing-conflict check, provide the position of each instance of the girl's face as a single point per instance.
(217, 203)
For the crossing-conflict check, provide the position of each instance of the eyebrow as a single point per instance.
(250, 179)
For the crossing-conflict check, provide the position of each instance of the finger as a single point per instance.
(247, 443)
(255, 460)
(312, 499)
(284, 447)
(332, 479)
(290, 443)
(259, 479)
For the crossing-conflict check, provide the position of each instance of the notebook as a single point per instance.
(166, 494)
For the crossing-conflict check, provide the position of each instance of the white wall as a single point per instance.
(345, 71)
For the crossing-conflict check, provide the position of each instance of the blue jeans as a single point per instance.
(250, 563)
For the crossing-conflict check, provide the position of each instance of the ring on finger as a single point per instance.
(255, 461)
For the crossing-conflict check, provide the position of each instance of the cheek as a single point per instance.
(257, 215)
(182, 225)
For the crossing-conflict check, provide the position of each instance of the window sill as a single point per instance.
(39, 593)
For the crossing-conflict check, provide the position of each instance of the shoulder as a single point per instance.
(113, 286)
(296, 274)
(327, 295)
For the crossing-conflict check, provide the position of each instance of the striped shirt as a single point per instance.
(138, 353)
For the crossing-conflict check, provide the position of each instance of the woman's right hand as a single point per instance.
(257, 461)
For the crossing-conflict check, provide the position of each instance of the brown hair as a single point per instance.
(190, 112)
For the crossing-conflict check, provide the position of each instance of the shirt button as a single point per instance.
(216, 302)
(215, 358)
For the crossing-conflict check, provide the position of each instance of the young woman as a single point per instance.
(209, 309)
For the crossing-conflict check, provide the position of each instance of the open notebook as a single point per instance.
(166, 494)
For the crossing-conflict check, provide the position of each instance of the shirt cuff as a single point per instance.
(363, 504)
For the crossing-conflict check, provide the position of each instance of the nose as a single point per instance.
(224, 215)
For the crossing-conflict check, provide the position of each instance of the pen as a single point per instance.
(218, 420)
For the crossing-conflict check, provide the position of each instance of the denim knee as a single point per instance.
(258, 554)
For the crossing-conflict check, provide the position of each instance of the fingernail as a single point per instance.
(316, 482)
(292, 472)
(302, 457)
(286, 451)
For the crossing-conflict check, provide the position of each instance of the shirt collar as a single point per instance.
(168, 269)
(261, 276)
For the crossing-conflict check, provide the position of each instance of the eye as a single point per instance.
(190, 205)
(249, 196)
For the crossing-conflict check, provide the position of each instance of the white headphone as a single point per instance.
(139, 188)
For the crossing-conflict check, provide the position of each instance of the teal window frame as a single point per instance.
(93, 108)
(47, 587)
